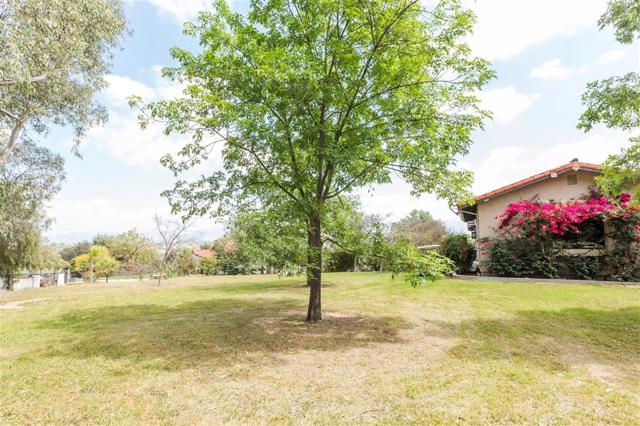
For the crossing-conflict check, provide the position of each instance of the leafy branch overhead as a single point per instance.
(615, 102)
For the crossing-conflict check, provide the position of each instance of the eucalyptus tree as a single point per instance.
(54, 55)
(314, 98)
(615, 102)
(30, 178)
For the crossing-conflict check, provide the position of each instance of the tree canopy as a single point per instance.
(615, 102)
(54, 56)
(312, 99)
(420, 228)
(30, 178)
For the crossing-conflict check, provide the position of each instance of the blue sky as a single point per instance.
(544, 52)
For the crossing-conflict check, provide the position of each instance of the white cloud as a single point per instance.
(123, 139)
(120, 88)
(611, 56)
(554, 70)
(394, 201)
(506, 103)
(508, 164)
(507, 27)
(121, 136)
(82, 219)
(182, 10)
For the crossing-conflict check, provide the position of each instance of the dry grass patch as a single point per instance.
(234, 350)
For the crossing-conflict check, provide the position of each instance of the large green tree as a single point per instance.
(313, 98)
(28, 180)
(54, 55)
(615, 102)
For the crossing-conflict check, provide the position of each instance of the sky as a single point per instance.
(544, 53)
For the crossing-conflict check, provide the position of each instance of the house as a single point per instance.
(200, 253)
(571, 181)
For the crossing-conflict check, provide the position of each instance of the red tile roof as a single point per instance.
(540, 176)
(204, 253)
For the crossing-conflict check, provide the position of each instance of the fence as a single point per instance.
(38, 279)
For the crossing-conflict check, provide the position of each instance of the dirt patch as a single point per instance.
(9, 306)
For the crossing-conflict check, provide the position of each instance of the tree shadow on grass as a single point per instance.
(554, 340)
(214, 332)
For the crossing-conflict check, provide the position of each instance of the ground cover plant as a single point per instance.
(235, 350)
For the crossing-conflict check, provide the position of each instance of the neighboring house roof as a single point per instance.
(571, 166)
(203, 253)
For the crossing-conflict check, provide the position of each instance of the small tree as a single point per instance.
(418, 268)
(170, 232)
(106, 267)
(94, 263)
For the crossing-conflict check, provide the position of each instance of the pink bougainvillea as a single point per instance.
(560, 218)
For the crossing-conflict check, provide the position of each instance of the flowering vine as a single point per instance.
(534, 217)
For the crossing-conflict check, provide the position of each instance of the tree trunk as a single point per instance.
(90, 270)
(162, 266)
(314, 269)
(13, 139)
(355, 263)
(10, 282)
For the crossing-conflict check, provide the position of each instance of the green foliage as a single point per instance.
(71, 251)
(623, 256)
(584, 267)
(231, 260)
(49, 259)
(317, 99)
(420, 228)
(460, 250)
(520, 257)
(208, 266)
(28, 179)
(624, 17)
(184, 263)
(621, 172)
(136, 253)
(97, 262)
(269, 239)
(416, 267)
(615, 102)
(51, 68)
(377, 248)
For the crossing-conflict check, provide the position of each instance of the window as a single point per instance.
(572, 179)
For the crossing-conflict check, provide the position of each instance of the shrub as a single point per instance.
(460, 250)
(208, 266)
(419, 268)
(520, 257)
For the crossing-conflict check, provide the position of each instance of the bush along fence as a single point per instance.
(598, 238)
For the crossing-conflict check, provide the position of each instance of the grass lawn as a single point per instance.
(234, 350)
